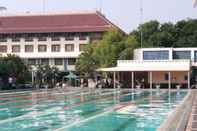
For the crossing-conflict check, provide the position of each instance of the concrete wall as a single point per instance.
(176, 77)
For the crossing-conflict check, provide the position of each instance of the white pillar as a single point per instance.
(188, 79)
(114, 80)
(151, 79)
(32, 75)
(132, 80)
(169, 80)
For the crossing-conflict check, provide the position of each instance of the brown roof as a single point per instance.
(75, 22)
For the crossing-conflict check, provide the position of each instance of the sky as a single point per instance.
(124, 13)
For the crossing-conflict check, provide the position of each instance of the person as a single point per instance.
(81, 82)
(10, 81)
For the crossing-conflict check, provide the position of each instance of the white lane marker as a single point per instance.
(107, 111)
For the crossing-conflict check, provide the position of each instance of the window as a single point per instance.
(29, 39)
(55, 39)
(42, 38)
(181, 55)
(42, 48)
(185, 77)
(71, 61)
(16, 48)
(16, 39)
(156, 55)
(3, 39)
(69, 38)
(31, 61)
(44, 61)
(195, 56)
(82, 47)
(59, 61)
(29, 48)
(166, 77)
(82, 37)
(3, 48)
(55, 48)
(69, 47)
(96, 36)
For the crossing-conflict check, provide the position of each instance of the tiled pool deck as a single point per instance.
(192, 123)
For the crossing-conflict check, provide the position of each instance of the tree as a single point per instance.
(105, 53)
(13, 66)
(86, 64)
(46, 75)
(181, 34)
(186, 33)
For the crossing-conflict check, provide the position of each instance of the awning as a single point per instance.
(124, 66)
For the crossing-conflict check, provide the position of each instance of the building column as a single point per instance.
(114, 80)
(132, 80)
(151, 79)
(32, 75)
(188, 79)
(169, 80)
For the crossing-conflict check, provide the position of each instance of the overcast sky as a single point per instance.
(124, 13)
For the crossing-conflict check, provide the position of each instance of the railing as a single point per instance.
(141, 61)
(192, 62)
(153, 62)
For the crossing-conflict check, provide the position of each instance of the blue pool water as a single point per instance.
(86, 110)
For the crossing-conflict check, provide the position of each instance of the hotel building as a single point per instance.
(170, 67)
(53, 39)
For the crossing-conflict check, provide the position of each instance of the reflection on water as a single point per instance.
(87, 110)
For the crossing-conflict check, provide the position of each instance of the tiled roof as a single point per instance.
(73, 22)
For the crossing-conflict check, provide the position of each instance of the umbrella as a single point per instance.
(71, 76)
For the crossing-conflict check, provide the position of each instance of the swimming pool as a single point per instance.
(86, 110)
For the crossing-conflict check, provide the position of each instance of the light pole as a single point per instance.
(141, 22)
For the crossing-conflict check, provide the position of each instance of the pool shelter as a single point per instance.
(164, 71)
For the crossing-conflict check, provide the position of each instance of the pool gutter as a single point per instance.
(177, 119)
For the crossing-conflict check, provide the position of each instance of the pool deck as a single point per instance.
(192, 123)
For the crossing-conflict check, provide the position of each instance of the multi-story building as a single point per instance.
(53, 39)
(158, 66)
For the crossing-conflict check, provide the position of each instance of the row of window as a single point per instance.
(42, 48)
(30, 39)
(57, 61)
(164, 55)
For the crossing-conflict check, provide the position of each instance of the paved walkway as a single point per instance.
(192, 123)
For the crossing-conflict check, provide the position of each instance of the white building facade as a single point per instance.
(172, 67)
(54, 39)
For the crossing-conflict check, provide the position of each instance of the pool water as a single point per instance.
(86, 110)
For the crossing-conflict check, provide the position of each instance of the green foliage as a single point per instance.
(46, 75)
(181, 34)
(86, 64)
(13, 66)
(114, 45)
